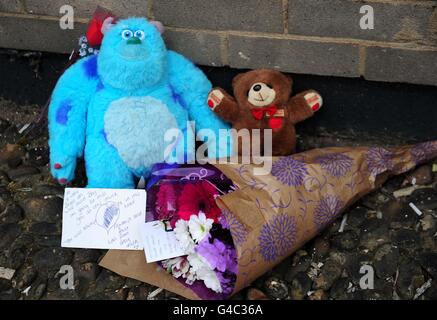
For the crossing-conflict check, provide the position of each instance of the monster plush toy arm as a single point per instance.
(190, 86)
(67, 117)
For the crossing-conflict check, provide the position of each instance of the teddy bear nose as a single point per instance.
(257, 87)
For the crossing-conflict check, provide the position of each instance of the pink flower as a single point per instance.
(198, 197)
(166, 202)
(176, 266)
(179, 267)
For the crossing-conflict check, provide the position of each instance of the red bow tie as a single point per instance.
(258, 113)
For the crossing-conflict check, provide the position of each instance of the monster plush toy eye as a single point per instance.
(139, 34)
(115, 108)
(126, 34)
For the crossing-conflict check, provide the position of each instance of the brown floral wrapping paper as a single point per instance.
(271, 216)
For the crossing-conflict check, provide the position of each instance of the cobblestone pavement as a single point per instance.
(380, 231)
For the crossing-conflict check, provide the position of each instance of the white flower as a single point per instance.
(210, 279)
(197, 263)
(183, 236)
(204, 272)
(199, 226)
(190, 277)
(177, 266)
(180, 267)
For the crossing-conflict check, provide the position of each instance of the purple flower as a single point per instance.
(219, 256)
(379, 160)
(227, 282)
(238, 230)
(336, 164)
(277, 237)
(289, 171)
(423, 151)
(327, 210)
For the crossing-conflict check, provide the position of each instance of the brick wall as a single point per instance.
(320, 37)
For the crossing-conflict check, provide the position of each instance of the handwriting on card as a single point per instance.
(103, 218)
(159, 244)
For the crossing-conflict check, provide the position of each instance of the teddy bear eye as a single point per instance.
(269, 86)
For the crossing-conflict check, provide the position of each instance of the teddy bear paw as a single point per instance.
(215, 98)
(314, 100)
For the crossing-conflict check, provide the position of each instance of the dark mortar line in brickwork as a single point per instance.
(285, 15)
(362, 62)
(432, 25)
(150, 14)
(224, 49)
(22, 6)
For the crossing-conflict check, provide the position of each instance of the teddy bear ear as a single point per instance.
(158, 25)
(236, 79)
(289, 79)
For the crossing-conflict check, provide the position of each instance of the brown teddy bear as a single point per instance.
(262, 101)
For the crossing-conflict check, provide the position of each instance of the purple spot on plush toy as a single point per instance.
(62, 112)
(177, 97)
(105, 136)
(90, 67)
(100, 86)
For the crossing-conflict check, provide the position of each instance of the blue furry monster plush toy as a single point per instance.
(117, 106)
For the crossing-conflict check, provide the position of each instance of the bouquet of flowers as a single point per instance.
(185, 197)
(260, 219)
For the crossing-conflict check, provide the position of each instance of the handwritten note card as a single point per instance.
(159, 244)
(103, 218)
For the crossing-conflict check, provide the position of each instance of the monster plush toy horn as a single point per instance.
(116, 107)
